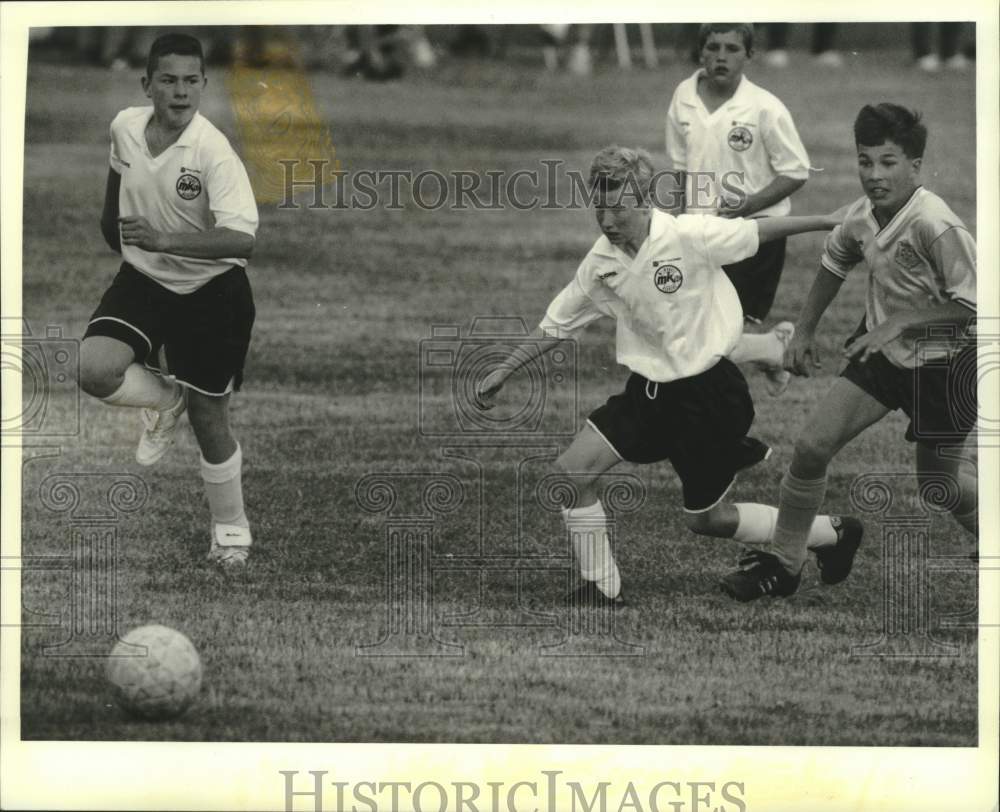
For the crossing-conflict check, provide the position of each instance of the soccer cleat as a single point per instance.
(759, 574)
(158, 433)
(230, 544)
(776, 374)
(751, 452)
(589, 596)
(836, 560)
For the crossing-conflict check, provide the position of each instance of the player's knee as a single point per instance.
(97, 377)
(573, 488)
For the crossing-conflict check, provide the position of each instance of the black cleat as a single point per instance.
(835, 561)
(589, 596)
(759, 574)
(750, 452)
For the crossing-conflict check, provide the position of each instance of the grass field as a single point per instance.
(344, 299)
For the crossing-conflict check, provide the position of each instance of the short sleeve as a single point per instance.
(115, 158)
(676, 143)
(954, 255)
(572, 309)
(230, 196)
(729, 240)
(840, 252)
(785, 150)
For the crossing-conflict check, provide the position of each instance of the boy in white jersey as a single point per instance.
(728, 136)
(678, 317)
(180, 210)
(922, 274)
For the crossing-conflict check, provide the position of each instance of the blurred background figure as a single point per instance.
(822, 45)
(575, 40)
(383, 52)
(948, 53)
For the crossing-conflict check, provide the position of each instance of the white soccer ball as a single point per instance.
(157, 684)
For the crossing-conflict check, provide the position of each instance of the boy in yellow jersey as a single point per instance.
(921, 261)
(678, 319)
(180, 210)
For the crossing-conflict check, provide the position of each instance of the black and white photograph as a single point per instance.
(509, 414)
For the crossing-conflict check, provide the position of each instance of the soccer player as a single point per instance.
(678, 317)
(921, 261)
(180, 210)
(739, 152)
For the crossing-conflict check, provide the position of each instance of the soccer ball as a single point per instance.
(160, 683)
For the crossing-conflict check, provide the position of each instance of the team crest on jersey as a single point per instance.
(188, 186)
(906, 256)
(740, 138)
(667, 278)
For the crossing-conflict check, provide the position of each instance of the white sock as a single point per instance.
(588, 532)
(144, 389)
(224, 489)
(763, 347)
(800, 502)
(757, 523)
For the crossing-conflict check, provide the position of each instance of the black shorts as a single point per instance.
(205, 334)
(939, 397)
(756, 278)
(697, 423)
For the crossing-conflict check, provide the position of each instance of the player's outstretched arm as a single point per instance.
(803, 355)
(216, 243)
(536, 346)
(774, 228)
(109, 216)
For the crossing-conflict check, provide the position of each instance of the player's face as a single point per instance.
(623, 220)
(723, 58)
(887, 175)
(175, 88)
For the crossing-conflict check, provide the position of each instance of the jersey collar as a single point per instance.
(689, 92)
(884, 235)
(137, 130)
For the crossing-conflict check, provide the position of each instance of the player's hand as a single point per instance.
(487, 389)
(138, 232)
(802, 356)
(862, 348)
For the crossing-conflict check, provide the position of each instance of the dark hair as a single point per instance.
(879, 123)
(181, 44)
(745, 30)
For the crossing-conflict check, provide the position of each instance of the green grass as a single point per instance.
(344, 298)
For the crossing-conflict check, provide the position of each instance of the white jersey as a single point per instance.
(923, 257)
(744, 145)
(196, 184)
(677, 312)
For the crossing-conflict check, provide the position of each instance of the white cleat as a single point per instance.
(776, 374)
(159, 431)
(230, 545)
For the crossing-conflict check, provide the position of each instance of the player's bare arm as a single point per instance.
(216, 243)
(109, 216)
(539, 344)
(774, 228)
(803, 354)
(776, 191)
(952, 314)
